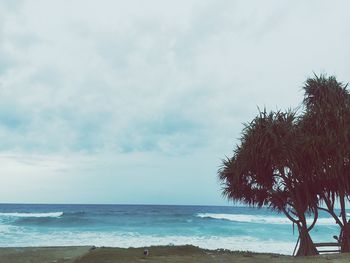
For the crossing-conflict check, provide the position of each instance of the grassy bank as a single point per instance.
(157, 254)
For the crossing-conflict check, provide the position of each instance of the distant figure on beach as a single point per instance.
(146, 252)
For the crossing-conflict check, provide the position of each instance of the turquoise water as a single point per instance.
(234, 228)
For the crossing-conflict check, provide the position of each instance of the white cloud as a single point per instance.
(167, 79)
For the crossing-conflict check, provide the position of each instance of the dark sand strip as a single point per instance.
(192, 254)
(41, 254)
(162, 254)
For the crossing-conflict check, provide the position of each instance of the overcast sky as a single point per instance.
(138, 101)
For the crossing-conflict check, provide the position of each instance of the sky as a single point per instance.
(137, 102)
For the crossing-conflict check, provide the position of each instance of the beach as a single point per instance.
(159, 254)
(124, 226)
(120, 233)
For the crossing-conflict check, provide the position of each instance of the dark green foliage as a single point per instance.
(326, 122)
(293, 164)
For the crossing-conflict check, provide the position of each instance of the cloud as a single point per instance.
(162, 78)
(90, 79)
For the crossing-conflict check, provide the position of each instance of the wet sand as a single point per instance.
(164, 254)
(41, 254)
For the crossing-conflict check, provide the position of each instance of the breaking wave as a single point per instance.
(258, 219)
(50, 214)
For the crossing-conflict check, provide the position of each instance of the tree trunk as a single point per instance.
(344, 236)
(345, 231)
(307, 246)
(345, 239)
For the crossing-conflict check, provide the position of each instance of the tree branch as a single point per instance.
(290, 217)
(332, 214)
(315, 219)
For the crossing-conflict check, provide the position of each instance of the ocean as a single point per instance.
(212, 227)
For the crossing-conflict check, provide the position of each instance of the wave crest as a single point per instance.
(16, 214)
(258, 219)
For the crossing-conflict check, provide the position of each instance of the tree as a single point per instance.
(326, 122)
(268, 169)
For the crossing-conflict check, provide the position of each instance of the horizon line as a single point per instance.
(124, 204)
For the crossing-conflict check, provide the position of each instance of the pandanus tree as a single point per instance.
(268, 169)
(326, 122)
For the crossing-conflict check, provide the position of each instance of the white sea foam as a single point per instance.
(258, 219)
(113, 239)
(246, 218)
(6, 229)
(50, 214)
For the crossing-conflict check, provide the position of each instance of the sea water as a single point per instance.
(211, 227)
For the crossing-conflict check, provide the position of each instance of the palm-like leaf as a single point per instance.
(326, 122)
(267, 168)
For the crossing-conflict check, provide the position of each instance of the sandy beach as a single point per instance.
(157, 254)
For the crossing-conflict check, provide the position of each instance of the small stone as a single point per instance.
(92, 248)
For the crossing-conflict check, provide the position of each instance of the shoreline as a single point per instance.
(188, 253)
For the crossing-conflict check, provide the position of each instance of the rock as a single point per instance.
(92, 248)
